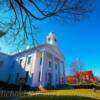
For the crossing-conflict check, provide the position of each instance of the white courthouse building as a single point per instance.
(40, 66)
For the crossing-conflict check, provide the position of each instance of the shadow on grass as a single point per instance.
(42, 97)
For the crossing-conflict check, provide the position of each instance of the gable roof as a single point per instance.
(4, 54)
(51, 47)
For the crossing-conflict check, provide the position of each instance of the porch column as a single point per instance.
(42, 69)
(59, 71)
(53, 71)
(64, 73)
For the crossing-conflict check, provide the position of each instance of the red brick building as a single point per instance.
(86, 76)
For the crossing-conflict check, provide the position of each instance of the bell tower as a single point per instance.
(51, 39)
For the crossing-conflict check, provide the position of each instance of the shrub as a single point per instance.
(85, 86)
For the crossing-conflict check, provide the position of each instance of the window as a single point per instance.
(87, 77)
(27, 75)
(49, 39)
(49, 63)
(56, 65)
(62, 79)
(40, 60)
(13, 64)
(46, 76)
(39, 76)
(29, 60)
(55, 40)
(56, 78)
(17, 77)
(49, 79)
(9, 78)
(1, 63)
(20, 61)
(83, 78)
(32, 75)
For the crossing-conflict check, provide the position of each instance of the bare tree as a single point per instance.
(75, 68)
(1, 33)
(20, 25)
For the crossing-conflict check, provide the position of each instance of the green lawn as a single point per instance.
(73, 94)
(45, 97)
(76, 92)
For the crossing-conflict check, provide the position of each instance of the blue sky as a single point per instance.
(76, 40)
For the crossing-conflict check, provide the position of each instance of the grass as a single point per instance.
(45, 97)
(76, 92)
(72, 94)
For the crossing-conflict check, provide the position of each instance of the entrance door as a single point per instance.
(49, 79)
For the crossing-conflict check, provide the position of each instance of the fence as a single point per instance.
(12, 93)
